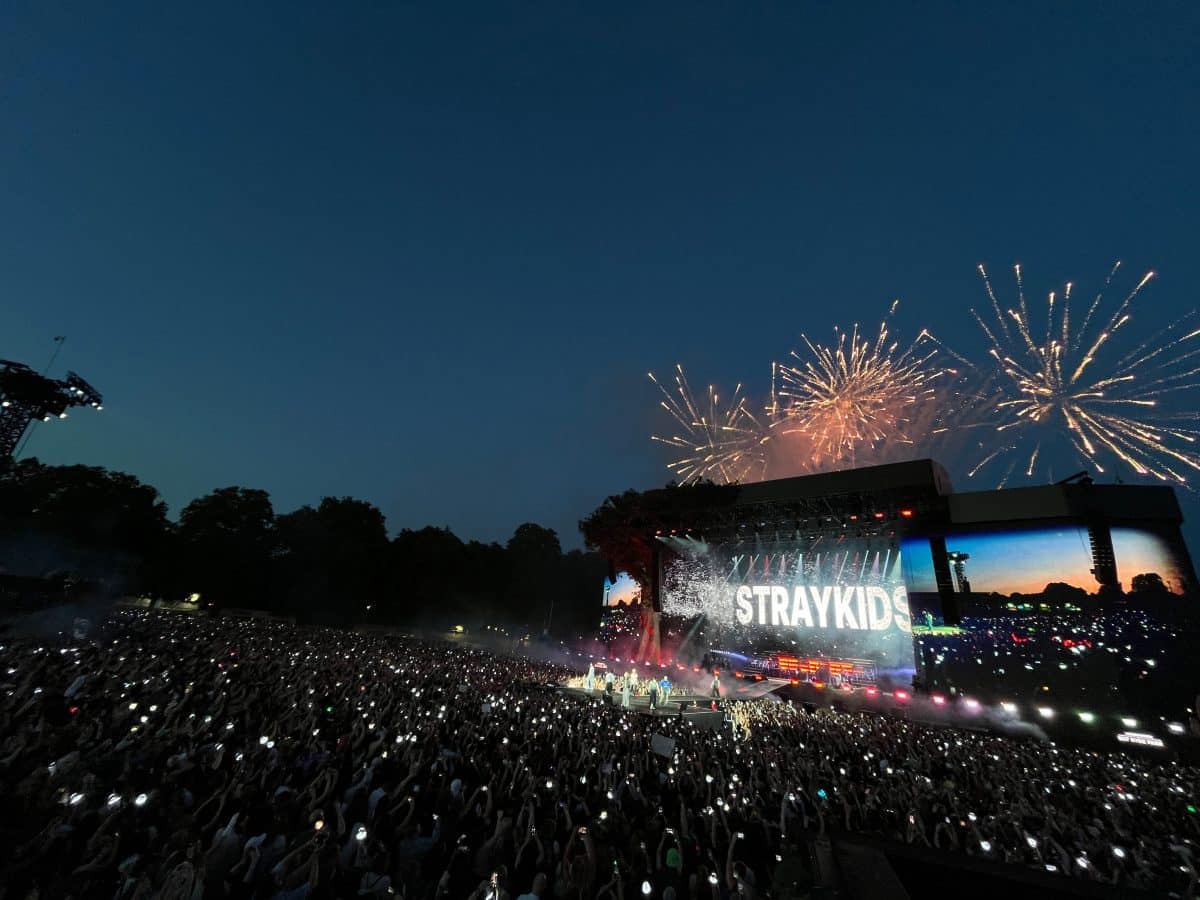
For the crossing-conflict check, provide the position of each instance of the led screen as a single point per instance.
(1051, 617)
(817, 609)
(623, 591)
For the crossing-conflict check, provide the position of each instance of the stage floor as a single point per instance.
(739, 690)
(694, 708)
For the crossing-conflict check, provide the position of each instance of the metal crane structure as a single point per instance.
(26, 396)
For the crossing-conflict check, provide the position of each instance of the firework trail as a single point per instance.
(721, 441)
(1058, 383)
(858, 395)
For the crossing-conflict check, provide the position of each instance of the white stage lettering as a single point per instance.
(853, 607)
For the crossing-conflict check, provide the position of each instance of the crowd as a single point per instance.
(180, 757)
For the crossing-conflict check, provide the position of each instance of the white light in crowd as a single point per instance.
(1129, 722)
(985, 846)
(1010, 708)
(114, 799)
(971, 703)
(263, 740)
(62, 415)
(1081, 861)
(1045, 712)
(549, 785)
(1118, 852)
(140, 800)
(132, 707)
(603, 814)
(76, 799)
(361, 834)
(646, 888)
(1087, 718)
(708, 779)
(1031, 841)
(1176, 727)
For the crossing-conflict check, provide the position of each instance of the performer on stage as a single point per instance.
(625, 682)
(664, 692)
(610, 681)
(653, 694)
(716, 687)
(590, 681)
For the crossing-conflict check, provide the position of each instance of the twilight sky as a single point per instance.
(424, 254)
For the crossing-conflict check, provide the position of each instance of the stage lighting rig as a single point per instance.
(26, 396)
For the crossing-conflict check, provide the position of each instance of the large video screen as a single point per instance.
(622, 590)
(1050, 617)
(821, 609)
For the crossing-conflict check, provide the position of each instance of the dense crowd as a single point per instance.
(181, 757)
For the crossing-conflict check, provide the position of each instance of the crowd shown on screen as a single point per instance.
(182, 757)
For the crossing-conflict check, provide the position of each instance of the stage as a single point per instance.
(694, 708)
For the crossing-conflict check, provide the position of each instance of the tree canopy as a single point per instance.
(333, 562)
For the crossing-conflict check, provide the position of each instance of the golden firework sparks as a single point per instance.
(721, 440)
(1065, 386)
(858, 393)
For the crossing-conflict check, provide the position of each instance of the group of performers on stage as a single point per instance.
(628, 684)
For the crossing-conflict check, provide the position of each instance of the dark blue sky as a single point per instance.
(425, 254)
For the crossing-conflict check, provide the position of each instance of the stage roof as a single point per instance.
(915, 476)
(1114, 502)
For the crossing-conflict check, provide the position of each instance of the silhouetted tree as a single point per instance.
(625, 528)
(423, 572)
(226, 543)
(331, 560)
(534, 556)
(81, 519)
(1148, 583)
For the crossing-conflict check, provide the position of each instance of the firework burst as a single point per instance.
(722, 440)
(1078, 385)
(858, 394)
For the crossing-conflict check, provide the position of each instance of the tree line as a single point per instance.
(332, 563)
